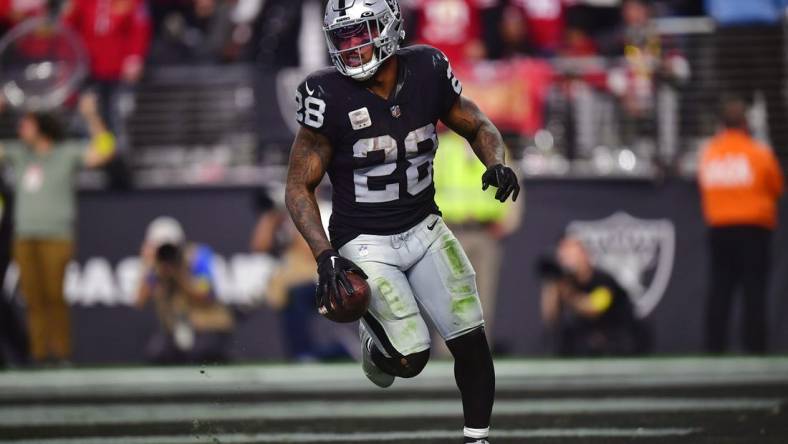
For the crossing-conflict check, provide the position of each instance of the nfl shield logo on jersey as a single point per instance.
(639, 253)
(396, 111)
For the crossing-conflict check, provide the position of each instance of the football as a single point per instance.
(348, 307)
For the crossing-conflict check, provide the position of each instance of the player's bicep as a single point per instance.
(464, 118)
(310, 156)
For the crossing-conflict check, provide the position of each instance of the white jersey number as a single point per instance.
(455, 82)
(310, 111)
(380, 177)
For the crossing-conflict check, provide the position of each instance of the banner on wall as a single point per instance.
(240, 279)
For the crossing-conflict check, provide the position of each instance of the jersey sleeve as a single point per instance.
(449, 87)
(311, 106)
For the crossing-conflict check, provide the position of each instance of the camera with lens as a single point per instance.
(548, 268)
(168, 254)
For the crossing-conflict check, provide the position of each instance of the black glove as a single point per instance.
(504, 179)
(332, 269)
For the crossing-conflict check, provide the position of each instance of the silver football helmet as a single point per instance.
(362, 34)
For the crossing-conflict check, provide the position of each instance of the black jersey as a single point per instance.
(381, 170)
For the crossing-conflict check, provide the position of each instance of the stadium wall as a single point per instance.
(650, 234)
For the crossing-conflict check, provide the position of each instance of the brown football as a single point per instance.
(352, 306)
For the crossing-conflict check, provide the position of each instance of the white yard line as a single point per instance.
(419, 435)
(78, 415)
(566, 375)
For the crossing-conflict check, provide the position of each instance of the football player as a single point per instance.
(370, 123)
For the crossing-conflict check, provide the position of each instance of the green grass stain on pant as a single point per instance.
(389, 293)
(454, 256)
(410, 330)
(465, 306)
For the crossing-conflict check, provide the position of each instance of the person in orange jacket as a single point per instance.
(740, 183)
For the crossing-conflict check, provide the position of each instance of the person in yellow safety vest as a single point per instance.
(478, 221)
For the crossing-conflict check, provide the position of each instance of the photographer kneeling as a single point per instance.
(195, 327)
(586, 307)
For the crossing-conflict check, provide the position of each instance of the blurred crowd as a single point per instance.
(126, 39)
(227, 31)
(602, 86)
(490, 29)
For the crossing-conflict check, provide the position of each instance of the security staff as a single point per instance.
(740, 182)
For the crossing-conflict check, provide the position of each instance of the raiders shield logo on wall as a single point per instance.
(639, 253)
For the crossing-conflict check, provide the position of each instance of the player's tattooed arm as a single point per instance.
(309, 159)
(467, 120)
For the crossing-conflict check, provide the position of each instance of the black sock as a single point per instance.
(475, 375)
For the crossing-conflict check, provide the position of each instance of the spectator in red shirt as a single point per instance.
(544, 20)
(116, 34)
(453, 26)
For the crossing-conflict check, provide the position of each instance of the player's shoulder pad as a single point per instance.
(428, 54)
(321, 83)
(316, 95)
(432, 60)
